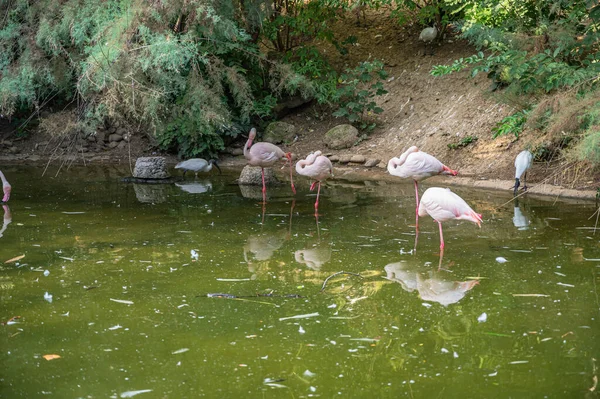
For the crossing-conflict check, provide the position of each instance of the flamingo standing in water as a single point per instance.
(265, 155)
(5, 187)
(417, 165)
(442, 204)
(522, 164)
(318, 167)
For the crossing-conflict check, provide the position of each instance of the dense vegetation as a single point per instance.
(544, 57)
(196, 73)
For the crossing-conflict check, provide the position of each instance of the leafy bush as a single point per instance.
(512, 124)
(355, 95)
(187, 71)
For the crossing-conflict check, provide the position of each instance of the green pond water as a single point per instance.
(115, 280)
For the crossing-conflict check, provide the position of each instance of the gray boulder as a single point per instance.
(357, 158)
(151, 168)
(279, 132)
(251, 176)
(340, 137)
(372, 162)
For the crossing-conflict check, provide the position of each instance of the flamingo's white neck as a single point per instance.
(6, 188)
(4, 181)
(393, 164)
(310, 159)
(251, 137)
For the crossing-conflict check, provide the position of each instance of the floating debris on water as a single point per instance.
(300, 316)
(131, 394)
(126, 302)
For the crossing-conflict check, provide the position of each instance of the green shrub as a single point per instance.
(357, 90)
(512, 124)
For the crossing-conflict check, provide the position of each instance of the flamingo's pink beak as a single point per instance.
(6, 194)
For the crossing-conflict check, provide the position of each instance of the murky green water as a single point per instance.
(115, 281)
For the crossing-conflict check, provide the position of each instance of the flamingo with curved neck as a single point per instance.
(417, 165)
(318, 167)
(265, 155)
(442, 205)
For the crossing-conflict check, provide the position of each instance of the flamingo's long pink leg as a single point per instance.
(264, 190)
(292, 179)
(317, 202)
(441, 237)
(417, 209)
(289, 158)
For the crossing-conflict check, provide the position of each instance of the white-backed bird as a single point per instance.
(197, 165)
(522, 164)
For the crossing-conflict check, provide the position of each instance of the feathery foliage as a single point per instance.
(190, 72)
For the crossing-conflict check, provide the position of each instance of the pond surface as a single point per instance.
(115, 278)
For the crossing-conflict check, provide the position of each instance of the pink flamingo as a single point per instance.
(442, 204)
(318, 167)
(5, 187)
(417, 165)
(265, 155)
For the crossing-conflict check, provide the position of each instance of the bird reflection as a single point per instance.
(195, 187)
(433, 286)
(261, 247)
(520, 221)
(314, 258)
(7, 219)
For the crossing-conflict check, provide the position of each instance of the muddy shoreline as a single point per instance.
(360, 174)
(349, 173)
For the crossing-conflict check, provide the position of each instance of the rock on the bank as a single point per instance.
(340, 137)
(279, 132)
(251, 175)
(151, 168)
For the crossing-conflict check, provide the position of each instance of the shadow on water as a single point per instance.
(114, 277)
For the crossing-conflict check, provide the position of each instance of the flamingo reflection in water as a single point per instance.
(262, 246)
(315, 257)
(432, 286)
